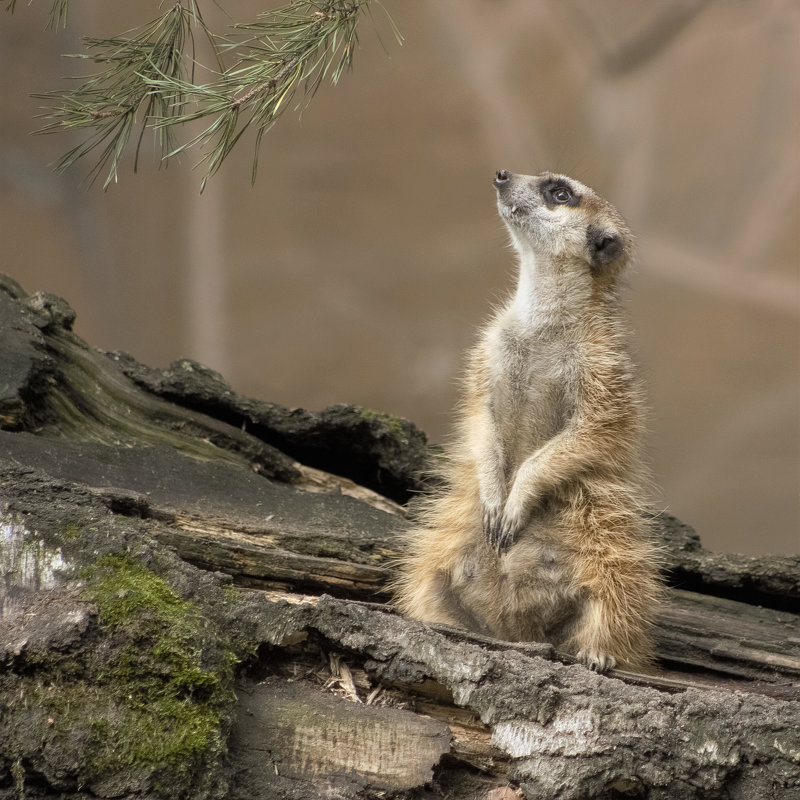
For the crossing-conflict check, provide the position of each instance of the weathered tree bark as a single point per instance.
(164, 541)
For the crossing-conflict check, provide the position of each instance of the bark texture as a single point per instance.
(193, 605)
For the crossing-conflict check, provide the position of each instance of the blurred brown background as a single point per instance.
(359, 266)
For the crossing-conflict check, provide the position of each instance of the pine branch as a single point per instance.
(285, 53)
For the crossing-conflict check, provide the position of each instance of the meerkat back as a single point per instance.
(538, 531)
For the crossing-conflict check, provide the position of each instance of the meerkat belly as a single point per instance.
(527, 593)
(537, 583)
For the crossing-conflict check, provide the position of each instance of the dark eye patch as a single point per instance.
(558, 193)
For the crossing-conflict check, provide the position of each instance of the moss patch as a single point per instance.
(170, 689)
(71, 533)
(140, 704)
(397, 426)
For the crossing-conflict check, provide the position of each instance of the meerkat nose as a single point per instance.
(502, 176)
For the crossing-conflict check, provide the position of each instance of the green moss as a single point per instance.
(164, 692)
(230, 594)
(122, 589)
(71, 532)
(397, 426)
(165, 733)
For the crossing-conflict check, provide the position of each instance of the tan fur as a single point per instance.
(539, 531)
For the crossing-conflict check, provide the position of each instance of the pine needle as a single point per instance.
(58, 12)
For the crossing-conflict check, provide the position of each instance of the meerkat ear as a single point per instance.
(604, 246)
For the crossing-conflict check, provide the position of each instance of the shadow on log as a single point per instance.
(194, 606)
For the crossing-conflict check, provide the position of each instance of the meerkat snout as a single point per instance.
(501, 176)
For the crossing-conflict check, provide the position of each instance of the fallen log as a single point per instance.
(194, 603)
(557, 729)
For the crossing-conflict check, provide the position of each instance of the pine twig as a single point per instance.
(107, 103)
(144, 81)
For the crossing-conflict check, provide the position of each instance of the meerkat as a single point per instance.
(538, 530)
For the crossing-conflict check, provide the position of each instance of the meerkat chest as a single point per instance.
(533, 380)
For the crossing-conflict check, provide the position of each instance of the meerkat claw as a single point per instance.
(506, 533)
(491, 526)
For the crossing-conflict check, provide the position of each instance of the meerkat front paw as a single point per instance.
(507, 531)
(596, 660)
(501, 530)
(498, 530)
(512, 520)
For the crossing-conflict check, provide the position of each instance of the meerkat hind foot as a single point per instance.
(596, 660)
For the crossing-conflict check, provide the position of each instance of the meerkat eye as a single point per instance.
(562, 195)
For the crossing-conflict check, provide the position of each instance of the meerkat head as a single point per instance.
(557, 218)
